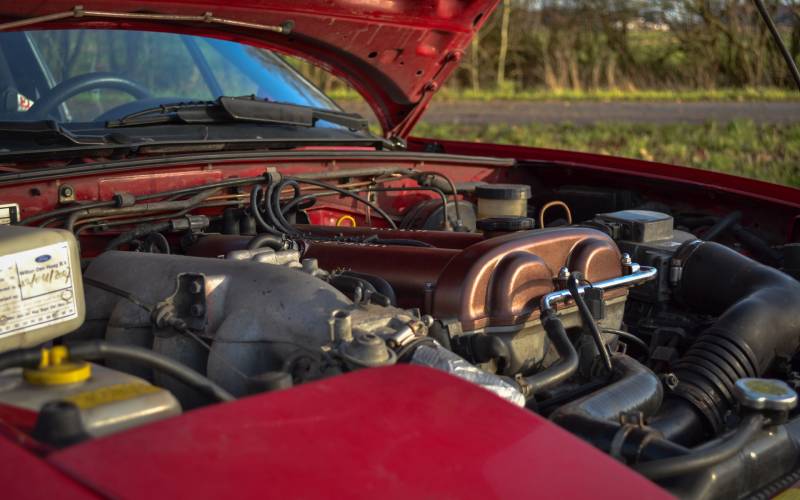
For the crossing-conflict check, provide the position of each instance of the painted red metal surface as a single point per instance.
(397, 432)
(395, 53)
(772, 208)
(24, 475)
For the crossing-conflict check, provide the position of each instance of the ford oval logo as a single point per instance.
(42, 258)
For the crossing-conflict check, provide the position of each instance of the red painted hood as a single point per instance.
(396, 53)
(396, 432)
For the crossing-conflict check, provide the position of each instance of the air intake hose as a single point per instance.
(758, 311)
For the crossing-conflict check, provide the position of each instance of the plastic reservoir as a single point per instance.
(41, 291)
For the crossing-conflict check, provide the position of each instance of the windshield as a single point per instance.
(92, 76)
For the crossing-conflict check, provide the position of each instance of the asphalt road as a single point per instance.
(584, 113)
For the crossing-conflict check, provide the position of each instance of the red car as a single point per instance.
(214, 282)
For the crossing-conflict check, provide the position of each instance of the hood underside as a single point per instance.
(396, 53)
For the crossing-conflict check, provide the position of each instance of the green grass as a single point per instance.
(733, 94)
(764, 151)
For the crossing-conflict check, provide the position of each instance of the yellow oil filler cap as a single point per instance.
(55, 368)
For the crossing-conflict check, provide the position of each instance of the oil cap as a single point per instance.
(765, 394)
(503, 191)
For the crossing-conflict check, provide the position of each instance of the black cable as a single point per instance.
(137, 232)
(256, 211)
(355, 196)
(787, 56)
(588, 320)
(174, 322)
(697, 460)
(117, 291)
(110, 203)
(275, 210)
(459, 222)
(103, 350)
(629, 337)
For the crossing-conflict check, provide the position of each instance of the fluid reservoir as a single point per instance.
(502, 200)
(41, 292)
(108, 400)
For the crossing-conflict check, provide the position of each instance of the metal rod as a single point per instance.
(78, 12)
(644, 273)
(787, 56)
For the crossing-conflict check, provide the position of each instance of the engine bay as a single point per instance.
(665, 334)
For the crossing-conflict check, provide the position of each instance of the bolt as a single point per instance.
(670, 380)
(626, 259)
(563, 274)
(310, 265)
(67, 191)
(342, 326)
(197, 310)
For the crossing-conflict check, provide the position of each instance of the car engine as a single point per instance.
(672, 353)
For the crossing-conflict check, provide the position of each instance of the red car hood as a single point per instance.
(396, 53)
(396, 432)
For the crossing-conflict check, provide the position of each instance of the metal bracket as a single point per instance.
(187, 304)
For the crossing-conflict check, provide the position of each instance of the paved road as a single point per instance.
(582, 113)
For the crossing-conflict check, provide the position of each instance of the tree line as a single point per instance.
(629, 44)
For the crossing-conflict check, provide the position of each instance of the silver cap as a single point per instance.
(764, 394)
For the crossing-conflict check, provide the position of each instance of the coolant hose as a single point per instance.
(636, 389)
(708, 456)
(595, 418)
(758, 321)
(558, 372)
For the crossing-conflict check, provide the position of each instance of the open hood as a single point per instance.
(396, 53)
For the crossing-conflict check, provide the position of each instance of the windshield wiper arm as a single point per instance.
(245, 109)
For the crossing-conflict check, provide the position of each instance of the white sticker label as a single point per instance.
(36, 289)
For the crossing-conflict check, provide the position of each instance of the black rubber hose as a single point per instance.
(24, 358)
(353, 195)
(138, 232)
(266, 240)
(275, 209)
(757, 322)
(103, 350)
(708, 456)
(560, 371)
(256, 211)
(636, 388)
(588, 320)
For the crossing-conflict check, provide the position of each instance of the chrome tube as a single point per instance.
(639, 275)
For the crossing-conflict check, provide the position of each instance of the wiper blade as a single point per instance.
(244, 109)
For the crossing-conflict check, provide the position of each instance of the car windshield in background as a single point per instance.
(93, 76)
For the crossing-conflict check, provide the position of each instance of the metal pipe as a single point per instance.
(639, 275)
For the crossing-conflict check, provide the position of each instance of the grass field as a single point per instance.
(762, 151)
(725, 95)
